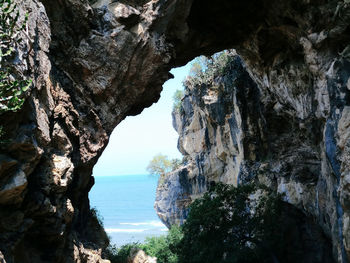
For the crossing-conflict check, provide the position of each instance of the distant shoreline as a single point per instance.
(126, 206)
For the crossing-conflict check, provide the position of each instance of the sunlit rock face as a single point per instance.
(93, 65)
(213, 118)
(235, 130)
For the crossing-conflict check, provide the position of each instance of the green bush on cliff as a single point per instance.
(227, 225)
(205, 69)
(162, 247)
(177, 97)
(161, 165)
(12, 84)
(120, 255)
(96, 215)
(230, 224)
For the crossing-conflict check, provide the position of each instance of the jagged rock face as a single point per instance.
(211, 122)
(87, 77)
(93, 66)
(234, 131)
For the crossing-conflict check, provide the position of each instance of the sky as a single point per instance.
(137, 139)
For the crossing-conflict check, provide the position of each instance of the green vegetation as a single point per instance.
(161, 165)
(232, 224)
(204, 69)
(227, 225)
(160, 247)
(114, 254)
(177, 97)
(120, 255)
(96, 214)
(12, 84)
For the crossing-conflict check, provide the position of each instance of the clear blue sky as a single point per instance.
(137, 139)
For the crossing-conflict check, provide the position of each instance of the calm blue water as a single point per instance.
(126, 205)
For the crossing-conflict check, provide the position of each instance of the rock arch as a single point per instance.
(94, 65)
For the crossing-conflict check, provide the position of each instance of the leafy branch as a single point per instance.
(204, 69)
(13, 84)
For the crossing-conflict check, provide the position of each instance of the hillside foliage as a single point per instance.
(205, 68)
(177, 97)
(227, 225)
(161, 247)
(12, 84)
(232, 224)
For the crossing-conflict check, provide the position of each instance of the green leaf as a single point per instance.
(11, 90)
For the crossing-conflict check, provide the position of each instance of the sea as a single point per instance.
(125, 204)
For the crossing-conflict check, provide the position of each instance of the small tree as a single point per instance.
(199, 66)
(177, 97)
(196, 68)
(159, 165)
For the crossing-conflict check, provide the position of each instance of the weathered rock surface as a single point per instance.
(93, 66)
(234, 131)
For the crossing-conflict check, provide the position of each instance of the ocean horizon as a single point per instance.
(126, 206)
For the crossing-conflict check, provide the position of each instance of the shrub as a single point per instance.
(230, 224)
(120, 255)
(204, 69)
(96, 215)
(163, 247)
(159, 247)
(12, 84)
(178, 95)
(227, 225)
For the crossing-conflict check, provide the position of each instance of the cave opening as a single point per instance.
(124, 191)
(89, 72)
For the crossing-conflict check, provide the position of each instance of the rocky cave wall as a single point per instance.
(230, 132)
(94, 65)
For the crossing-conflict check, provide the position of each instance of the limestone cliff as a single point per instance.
(233, 131)
(92, 66)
